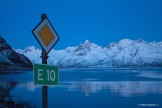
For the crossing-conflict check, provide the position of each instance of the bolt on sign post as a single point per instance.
(45, 74)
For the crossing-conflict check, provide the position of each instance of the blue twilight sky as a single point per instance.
(100, 21)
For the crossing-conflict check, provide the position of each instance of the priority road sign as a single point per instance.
(46, 74)
(45, 35)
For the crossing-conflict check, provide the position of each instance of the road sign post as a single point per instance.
(47, 38)
(44, 88)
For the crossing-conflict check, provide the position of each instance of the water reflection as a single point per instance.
(150, 74)
(123, 82)
(123, 88)
(78, 85)
(8, 100)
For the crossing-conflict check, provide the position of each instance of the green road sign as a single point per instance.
(46, 74)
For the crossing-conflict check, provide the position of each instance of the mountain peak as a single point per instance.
(9, 59)
(126, 52)
(87, 41)
(4, 45)
(125, 42)
(85, 47)
(2, 40)
(30, 48)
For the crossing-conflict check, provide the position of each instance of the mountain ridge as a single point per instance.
(10, 59)
(126, 52)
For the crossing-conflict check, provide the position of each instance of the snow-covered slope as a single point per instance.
(135, 53)
(9, 59)
(123, 53)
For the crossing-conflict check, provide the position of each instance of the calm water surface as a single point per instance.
(87, 88)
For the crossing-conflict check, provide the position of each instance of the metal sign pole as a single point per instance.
(47, 38)
(44, 88)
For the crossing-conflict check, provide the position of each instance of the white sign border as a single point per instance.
(37, 29)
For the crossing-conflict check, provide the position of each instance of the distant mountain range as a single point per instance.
(11, 60)
(124, 53)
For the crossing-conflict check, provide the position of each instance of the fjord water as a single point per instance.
(87, 88)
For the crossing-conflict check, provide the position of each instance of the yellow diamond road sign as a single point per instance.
(46, 35)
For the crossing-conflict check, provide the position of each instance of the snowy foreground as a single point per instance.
(124, 53)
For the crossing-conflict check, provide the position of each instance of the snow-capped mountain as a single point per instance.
(123, 53)
(135, 53)
(9, 59)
